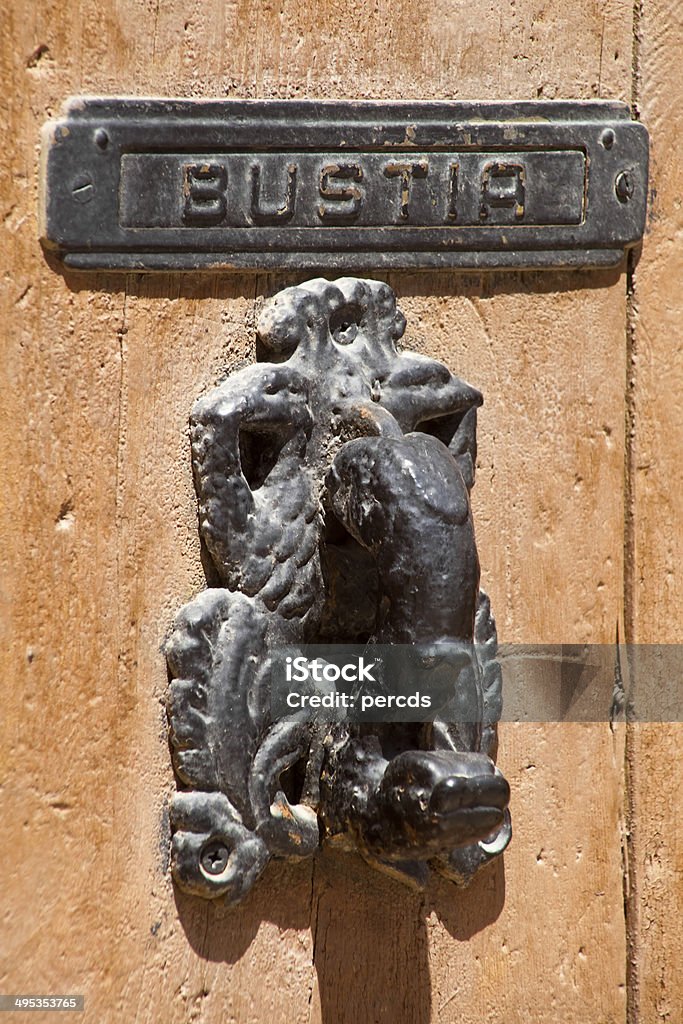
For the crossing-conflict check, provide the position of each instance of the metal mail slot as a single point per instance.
(170, 184)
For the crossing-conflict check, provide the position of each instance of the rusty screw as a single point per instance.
(623, 186)
(214, 857)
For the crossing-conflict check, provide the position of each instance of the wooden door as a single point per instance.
(576, 505)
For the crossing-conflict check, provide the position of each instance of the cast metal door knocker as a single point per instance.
(333, 481)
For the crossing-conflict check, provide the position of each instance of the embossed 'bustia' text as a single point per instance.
(309, 190)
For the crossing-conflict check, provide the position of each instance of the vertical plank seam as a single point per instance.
(121, 428)
(313, 925)
(630, 868)
(631, 879)
(120, 438)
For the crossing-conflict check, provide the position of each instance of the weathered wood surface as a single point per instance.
(100, 549)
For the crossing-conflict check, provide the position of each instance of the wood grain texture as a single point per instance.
(654, 595)
(100, 549)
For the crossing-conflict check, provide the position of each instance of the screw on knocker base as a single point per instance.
(214, 858)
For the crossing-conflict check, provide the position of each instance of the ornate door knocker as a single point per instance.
(333, 481)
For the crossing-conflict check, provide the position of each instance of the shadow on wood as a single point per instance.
(369, 935)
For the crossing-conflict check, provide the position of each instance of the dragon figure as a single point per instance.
(333, 481)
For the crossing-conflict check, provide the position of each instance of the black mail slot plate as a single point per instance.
(182, 185)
